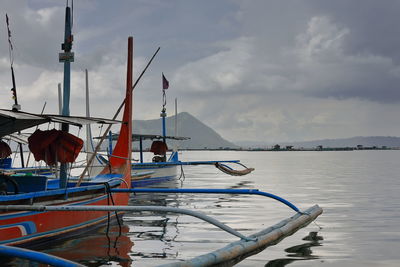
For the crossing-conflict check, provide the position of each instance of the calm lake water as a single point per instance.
(359, 192)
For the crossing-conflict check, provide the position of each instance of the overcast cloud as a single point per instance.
(262, 70)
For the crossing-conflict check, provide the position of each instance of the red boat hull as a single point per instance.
(17, 228)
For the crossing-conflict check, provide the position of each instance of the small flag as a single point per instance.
(9, 32)
(165, 83)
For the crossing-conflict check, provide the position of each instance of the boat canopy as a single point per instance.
(142, 137)
(138, 137)
(13, 121)
(18, 137)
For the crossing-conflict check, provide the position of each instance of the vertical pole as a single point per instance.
(176, 117)
(110, 145)
(59, 99)
(164, 131)
(163, 111)
(176, 125)
(89, 141)
(67, 46)
(15, 107)
(66, 57)
(141, 149)
(88, 129)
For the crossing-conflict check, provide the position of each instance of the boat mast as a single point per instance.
(176, 124)
(66, 57)
(163, 115)
(16, 106)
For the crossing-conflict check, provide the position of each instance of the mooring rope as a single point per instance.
(110, 197)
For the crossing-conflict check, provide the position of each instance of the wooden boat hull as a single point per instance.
(150, 174)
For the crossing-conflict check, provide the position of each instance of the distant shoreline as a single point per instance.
(289, 149)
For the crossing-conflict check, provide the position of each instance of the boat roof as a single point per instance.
(138, 137)
(13, 121)
(18, 137)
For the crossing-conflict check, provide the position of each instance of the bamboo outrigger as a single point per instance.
(234, 252)
(239, 250)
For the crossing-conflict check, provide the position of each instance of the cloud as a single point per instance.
(221, 71)
(276, 70)
(327, 71)
(322, 40)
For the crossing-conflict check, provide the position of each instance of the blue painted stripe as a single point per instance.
(67, 191)
(29, 213)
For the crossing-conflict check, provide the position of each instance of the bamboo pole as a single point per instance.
(239, 250)
(196, 214)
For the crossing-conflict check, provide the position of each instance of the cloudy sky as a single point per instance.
(261, 70)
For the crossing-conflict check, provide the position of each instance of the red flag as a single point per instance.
(165, 83)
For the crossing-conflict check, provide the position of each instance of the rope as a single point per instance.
(182, 174)
(319, 226)
(110, 197)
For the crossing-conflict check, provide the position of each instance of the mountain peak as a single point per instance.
(201, 136)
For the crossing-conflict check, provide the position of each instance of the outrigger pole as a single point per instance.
(241, 249)
(208, 191)
(36, 256)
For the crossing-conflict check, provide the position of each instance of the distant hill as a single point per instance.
(201, 136)
(366, 141)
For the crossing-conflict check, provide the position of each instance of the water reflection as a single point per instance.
(300, 252)
(153, 232)
(241, 184)
(98, 248)
(223, 198)
(340, 182)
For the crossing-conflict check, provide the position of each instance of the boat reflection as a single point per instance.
(299, 252)
(105, 246)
